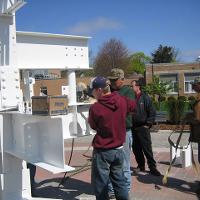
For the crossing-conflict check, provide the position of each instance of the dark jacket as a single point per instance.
(145, 112)
(107, 117)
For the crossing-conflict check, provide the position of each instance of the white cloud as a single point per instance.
(94, 25)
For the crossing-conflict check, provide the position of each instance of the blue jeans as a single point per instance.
(108, 165)
(126, 164)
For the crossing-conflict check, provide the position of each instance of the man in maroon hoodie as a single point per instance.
(107, 116)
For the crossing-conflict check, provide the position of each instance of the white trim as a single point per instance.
(40, 34)
(189, 92)
(172, 93)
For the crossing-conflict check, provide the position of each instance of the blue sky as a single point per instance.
(142, 25)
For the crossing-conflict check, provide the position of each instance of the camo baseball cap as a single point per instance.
(116, 73)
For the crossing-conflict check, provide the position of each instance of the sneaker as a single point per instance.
(155, 172)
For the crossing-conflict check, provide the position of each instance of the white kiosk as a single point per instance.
(23, 136)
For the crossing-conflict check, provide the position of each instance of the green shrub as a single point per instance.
(171, 98)
(182, 98)
(163, 106)
(191, 101)
(156, 105)
(161, 99)
(176, 110)
(191, 98)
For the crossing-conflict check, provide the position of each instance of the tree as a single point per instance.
(164, 54)
(137, 63)
(85, 73)
(113, 54)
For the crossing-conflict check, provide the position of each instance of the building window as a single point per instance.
(43, 91)
(189, 80)
(172, 80)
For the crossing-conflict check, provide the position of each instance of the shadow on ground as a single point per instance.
(173, 183)
(70, 189)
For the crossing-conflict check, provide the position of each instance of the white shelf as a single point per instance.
(80, 104)
(53, 169)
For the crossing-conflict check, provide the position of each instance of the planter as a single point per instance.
(171, 127)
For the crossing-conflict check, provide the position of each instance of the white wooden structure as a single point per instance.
(23, 136)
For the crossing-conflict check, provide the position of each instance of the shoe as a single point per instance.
(155, 172)
(139, 169)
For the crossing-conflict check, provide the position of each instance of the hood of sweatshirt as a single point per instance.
(111, 101)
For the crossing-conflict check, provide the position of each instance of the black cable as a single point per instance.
(85, 167)
(70, 158)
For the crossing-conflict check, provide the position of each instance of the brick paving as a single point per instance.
(182, 182)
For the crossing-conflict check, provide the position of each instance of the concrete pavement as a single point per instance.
(182, 182)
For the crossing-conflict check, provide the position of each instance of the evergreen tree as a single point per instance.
(164, 54)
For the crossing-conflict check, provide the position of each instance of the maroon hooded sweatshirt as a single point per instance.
(108, 118)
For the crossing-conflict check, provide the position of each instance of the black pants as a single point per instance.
(142, 146)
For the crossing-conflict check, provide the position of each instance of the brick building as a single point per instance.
(52, 82)
(178, 74)
(54, 86)
(181, 76)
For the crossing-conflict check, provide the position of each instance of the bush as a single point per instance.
(171, 98)
(162, 99)
(182, 98)
(156, 105)
(191, 102)
(163, 106)
(176, 110)
(191, 98)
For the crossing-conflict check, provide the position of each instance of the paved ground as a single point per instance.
(182, 182)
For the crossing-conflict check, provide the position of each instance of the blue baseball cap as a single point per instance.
(98, 82)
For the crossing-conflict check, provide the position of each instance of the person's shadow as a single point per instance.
(69, 190)
(173, 183)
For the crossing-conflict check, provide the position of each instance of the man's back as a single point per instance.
(107, 117)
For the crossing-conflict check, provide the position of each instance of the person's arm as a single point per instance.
(129, 95)
(91, 119)
(131, 104)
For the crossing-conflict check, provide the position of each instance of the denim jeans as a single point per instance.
(108, 165)
(126, 164)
